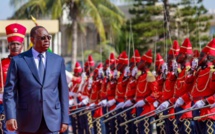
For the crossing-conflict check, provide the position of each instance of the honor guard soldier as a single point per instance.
(73, 97)
(168, 89)
(121, 86)
(111, 90)
(99, 126)
(15, 37)
(184, 122)
(86, 119)
(146, 92)
(203, 90)
(161, 71)
(131, 90)
(108, 69)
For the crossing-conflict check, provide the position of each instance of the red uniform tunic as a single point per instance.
(5, 65)
(103, 93)
(147, 90)
(168, 90)
(180, 89)
(203, 89)
(85, 89)
(73, 90)
(95, 97)
(160, 82)
(4, 68)
(131, 89)
(121, 88)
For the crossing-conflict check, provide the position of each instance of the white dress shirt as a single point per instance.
(36, 58)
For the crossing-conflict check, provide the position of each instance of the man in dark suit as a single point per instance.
(36, 93)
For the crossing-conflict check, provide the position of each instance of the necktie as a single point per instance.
(41, 67)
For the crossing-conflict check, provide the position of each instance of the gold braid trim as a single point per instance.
(162, 127)
(175, 129)
(116, 126)
(134, 116)
(125, 119)
(98, 127)
(2, 117)
(210, 129)
(89, 119)
(146, 126)
(188, 130)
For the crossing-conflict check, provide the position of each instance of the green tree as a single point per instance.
(105, 15)
(147, 24)
(193, 22)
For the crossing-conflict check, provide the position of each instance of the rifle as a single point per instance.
(181, 112)
(105, 115)
(77, 109)
(203, 116)
(122, 124)
(88, 110)
(119, 114)
(153, 114)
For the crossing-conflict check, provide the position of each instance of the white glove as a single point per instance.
(73, 94)
(154, 73)
(84, 101)
(108, 72)
(127, 71)
(101, 73)
(83, 75)
(111, 102)
(163, 105)
(174, 65)
(140, 103)
(71, 102)
(90, 83)
(119, 105)
(115, 74)
(194, 63)
(199, 104)
(134, 71)
(128, 103)
(92, 105)
(103, 103)
(179, 102)
(155, 104)
(164, 68)
(213, 105)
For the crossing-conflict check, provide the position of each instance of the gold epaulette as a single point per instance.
(188, 68)
(179, 70)
(212, 70)
(138, 74)
(150, 77)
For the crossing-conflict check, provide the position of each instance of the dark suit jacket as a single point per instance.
(27, 99)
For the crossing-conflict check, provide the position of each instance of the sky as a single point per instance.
(7, 11)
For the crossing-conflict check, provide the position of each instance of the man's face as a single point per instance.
(15, 48)
(41, 40)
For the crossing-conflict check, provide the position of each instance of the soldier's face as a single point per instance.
(202, 59)
(41, 40)
(180, 58)
(15, 48)
(141, 65)
(158, 69)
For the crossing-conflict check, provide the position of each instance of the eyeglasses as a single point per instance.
(45, 37)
